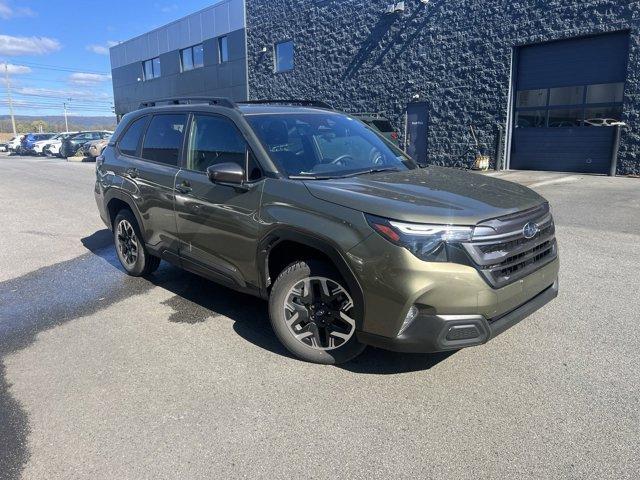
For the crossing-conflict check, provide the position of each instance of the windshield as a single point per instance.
(325, 145)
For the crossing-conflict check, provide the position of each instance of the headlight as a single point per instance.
(427, 242)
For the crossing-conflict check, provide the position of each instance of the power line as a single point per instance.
(59, 68)
(57, 106)
(65, 97)
(40, 79)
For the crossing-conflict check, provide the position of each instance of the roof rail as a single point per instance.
(219, 101)
(304, 103)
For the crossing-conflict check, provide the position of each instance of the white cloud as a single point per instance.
(88, 78)
(101, 49)
(27, 45)
(15, 69)
(7, 11)
(166, 7)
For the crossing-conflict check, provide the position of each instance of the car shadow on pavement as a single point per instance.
(198, 300)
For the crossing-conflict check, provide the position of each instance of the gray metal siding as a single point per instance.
(225, 18)
(227, 79)
(214, 21)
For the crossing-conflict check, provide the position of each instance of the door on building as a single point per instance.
(417, 131)
(569, 94)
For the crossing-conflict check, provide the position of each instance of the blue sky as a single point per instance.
(57, 50)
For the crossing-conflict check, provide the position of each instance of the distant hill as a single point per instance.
(56, 122)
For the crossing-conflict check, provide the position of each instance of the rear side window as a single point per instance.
(214, 140)
(163, 140)
(128, 144)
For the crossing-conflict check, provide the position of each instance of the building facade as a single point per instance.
(531, 84)
(202, 54)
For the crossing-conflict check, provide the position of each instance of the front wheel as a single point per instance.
(133, 255)
(313, 313)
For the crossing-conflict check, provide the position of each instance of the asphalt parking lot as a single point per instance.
(106, 376)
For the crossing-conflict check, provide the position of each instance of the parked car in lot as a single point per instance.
(94, 148)
(4, 147)
(52, 147)
(39, 146)
(350, 240)
(29, 141)
(15, 143)
(72, 144)
(380, 123)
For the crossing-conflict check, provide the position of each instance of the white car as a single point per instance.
(15, 143)
(39, 146)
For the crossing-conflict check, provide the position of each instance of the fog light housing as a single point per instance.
(463, 332)
(411, 316)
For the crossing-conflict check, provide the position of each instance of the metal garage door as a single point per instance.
(568, 94)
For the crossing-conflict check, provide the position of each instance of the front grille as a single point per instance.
(502, 254)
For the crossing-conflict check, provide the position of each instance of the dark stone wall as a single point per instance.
(453, 54)
(227, 79)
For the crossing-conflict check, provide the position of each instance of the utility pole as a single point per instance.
(66, 124)
(13, 120)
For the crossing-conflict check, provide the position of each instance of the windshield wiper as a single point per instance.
(311, 177)
(371, 170)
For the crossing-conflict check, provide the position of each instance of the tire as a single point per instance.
(311, 312)
(130, 248)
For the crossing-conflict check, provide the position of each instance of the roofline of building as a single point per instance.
(161, 27)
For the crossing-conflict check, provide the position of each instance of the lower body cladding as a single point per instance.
(420, 307)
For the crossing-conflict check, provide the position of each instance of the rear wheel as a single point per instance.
(133, 255)
(312, 313)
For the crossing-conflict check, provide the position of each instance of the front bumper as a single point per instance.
(435, 333)
(392, 280)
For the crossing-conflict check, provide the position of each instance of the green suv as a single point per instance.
(350, 241)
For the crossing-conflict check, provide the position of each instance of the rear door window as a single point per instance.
(163, 140)
(128, 144)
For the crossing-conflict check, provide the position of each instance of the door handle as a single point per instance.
(132, 172)
(184, 187)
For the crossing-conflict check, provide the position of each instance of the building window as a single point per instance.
(151, 68)
(605, 93)
(597, 105)
(223, 49)
(192, 57)
(284, 56)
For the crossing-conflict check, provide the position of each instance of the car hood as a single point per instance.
(428, 195)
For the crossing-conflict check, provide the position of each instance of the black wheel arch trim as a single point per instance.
(325, 245)
(118, 194)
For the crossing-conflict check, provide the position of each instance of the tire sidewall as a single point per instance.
(285, 281)
(138, 268)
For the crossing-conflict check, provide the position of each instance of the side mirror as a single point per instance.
(228, 172)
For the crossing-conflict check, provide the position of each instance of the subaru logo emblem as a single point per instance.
(530, 230)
